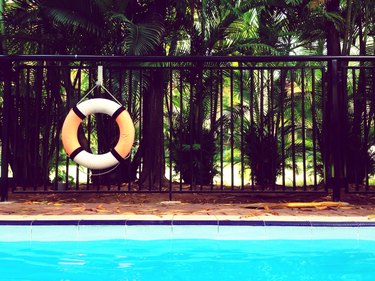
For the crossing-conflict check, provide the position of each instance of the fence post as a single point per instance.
(335, 131)
(7, 74)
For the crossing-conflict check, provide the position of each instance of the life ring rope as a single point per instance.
(102, 87)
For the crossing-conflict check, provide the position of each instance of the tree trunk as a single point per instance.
(152, 143)
(348, 29)
(333, 108)
(332, 34)
(151, 148)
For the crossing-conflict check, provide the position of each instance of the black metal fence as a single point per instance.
(203, 124)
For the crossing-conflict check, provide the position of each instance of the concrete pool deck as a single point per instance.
(181, 218)
(294, 207)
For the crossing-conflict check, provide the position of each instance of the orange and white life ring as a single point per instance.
(74, 119)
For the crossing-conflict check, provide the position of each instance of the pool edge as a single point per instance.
(317, 221)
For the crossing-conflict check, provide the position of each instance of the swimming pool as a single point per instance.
(187, 250)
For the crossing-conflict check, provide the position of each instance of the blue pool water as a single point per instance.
(162, 253)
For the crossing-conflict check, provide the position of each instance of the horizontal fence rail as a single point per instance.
(203, 124)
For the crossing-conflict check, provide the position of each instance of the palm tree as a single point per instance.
(206, 28)
(79, 27)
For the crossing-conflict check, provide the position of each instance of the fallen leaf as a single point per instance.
(101, 211)
(272, 214)
(35, 202)
(347, 208)
(322, 208)
(249, 215)
(78, 209)
(100, 206)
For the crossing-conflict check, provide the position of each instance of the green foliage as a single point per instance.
(193, 158)
(263, 154)
(208, 27)
(142, 38)
(360, 134)
(194, 146)
(84, 26)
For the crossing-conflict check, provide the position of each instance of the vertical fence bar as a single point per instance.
(314, 128)
(15, 124)
(262, 130)
(272, 119)
(115, 85)
(242, 130)
(104, 77)
(201, 96)
(365, 131)
(303, 127)
(251, 102)
(150, 180)
(221, 130)
(130, 110)
(67, 159)
(170, 114)
(356, 133)
(7, 67)
(161, 146)
(293, 132)
(79, 91)
(231, 131)
(325, 158)
(261, 105)
(212, 122)
(57, 154)
(282, 131)
(269, 102)
(25, 101)
(140, 134)
(90, 76)
(201, 129)
(344, 117)
(38, 89)
(336, 140)
(180, 119)
(191, 129)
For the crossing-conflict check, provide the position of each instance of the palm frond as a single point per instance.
(119, 17)
(69, 18)
(142, 38)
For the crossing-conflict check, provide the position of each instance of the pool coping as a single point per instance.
(221, 220)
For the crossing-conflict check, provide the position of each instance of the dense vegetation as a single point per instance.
(185, 28)
(170, 27)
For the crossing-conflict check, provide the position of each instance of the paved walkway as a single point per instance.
(207, 206)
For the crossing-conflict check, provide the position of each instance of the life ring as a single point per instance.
(74, 119)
